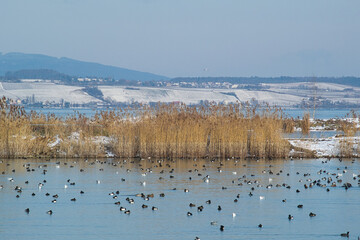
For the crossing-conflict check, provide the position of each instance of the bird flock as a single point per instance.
(247, 184)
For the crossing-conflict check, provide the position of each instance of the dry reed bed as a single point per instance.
(165, 131)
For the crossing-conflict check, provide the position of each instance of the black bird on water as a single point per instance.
(345, 234)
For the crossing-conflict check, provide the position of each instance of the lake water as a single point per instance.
(319, 114)
(95, 216)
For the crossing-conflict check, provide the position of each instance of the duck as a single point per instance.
(127, 212)
(290, 217)
(311, 214)
(222, 228)
(260, 225)
(345, 234)
(189, 214)
(50, 212)
(27, 210)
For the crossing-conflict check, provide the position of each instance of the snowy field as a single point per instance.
(45, 92)
(285, 95)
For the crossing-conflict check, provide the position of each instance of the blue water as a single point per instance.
(95, 216)
(319, 114)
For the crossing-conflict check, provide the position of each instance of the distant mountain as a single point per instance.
(11, 62)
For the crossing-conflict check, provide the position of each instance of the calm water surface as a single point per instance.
(95, 216)
(89, 112)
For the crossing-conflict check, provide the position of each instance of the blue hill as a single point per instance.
(22, 61)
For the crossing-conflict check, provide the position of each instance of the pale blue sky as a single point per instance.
(184, 37)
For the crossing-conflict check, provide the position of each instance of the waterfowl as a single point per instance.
(122, 209)
(127, 212)
(53, 201)
(290, 217)
(300, 206)
(219, 208)
(260, 225)
(222, 228)
(117, 203)
(345, 234)
(192, 205)
(213, 223)
(50, 212)
(208, 202)
(144, 206)
(311, 214)
(27, 210)
(73, 199)
(189, 214)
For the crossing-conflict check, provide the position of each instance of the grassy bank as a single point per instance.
(166, 131)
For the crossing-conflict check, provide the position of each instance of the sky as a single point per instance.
(177, 38)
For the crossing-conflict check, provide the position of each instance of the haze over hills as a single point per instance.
(11, 62)
(33, 79)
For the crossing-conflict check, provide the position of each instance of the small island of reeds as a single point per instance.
(164, 131)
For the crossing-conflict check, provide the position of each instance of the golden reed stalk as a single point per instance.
(165, 131)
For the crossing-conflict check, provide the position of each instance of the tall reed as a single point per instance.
(164, 131)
